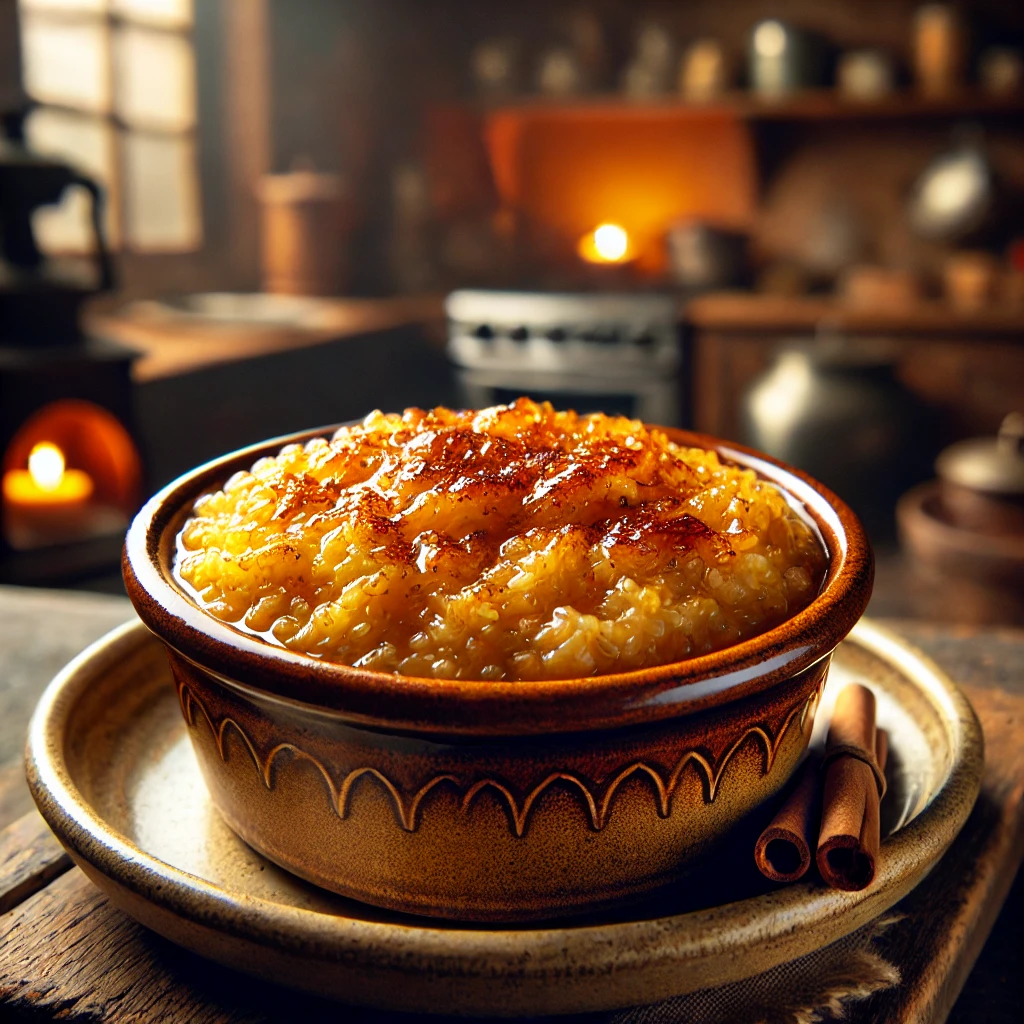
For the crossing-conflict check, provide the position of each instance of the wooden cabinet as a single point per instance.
(970, 368)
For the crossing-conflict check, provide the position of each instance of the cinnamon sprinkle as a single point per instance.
(516, 542)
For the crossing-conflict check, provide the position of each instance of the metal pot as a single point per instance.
(982, 480)
(702, 257)
(836, 410)
(955, 196)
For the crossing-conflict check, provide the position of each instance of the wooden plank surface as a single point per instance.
(30, 858)
(949, 916)
(69, 954)
(15, 799)
(40, 632)
(992, 660)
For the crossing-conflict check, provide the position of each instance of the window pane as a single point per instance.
(64, 5)
(155, 85)
(156, 12)
(161, 193)
(88, 144)
(66, 62)
(12, 96)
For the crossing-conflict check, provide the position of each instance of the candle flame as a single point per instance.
(46, 466)
(607, 243)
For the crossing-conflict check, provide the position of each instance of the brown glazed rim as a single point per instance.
(478, 707)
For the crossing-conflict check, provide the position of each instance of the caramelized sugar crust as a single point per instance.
(511, 543)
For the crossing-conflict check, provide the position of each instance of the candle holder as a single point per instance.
(72, 402)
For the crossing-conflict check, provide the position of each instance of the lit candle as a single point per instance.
(46, 498)
(607, 243)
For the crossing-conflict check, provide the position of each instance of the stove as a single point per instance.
(592, 352)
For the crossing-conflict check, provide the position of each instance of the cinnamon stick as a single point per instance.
(783, 850)
(855, 755)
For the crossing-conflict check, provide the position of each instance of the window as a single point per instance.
(114, 81)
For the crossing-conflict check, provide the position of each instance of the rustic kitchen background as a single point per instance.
(795, 224)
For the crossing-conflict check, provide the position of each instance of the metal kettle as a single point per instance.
(39, 300)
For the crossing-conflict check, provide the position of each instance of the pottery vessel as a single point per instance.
(490, 800)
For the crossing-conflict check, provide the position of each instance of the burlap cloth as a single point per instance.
(821, 986)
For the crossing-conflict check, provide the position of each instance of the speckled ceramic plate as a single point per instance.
(112, 769)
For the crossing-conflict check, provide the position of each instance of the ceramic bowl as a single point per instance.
(493, 801)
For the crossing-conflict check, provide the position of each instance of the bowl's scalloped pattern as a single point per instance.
(597, 804)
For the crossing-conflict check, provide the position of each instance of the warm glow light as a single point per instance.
(46, 466)
(611, 242)
(47, 496)
(607, 243)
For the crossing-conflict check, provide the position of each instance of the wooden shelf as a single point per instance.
(744, 313)
(816, 105)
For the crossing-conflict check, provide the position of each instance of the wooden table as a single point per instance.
(66, 954)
